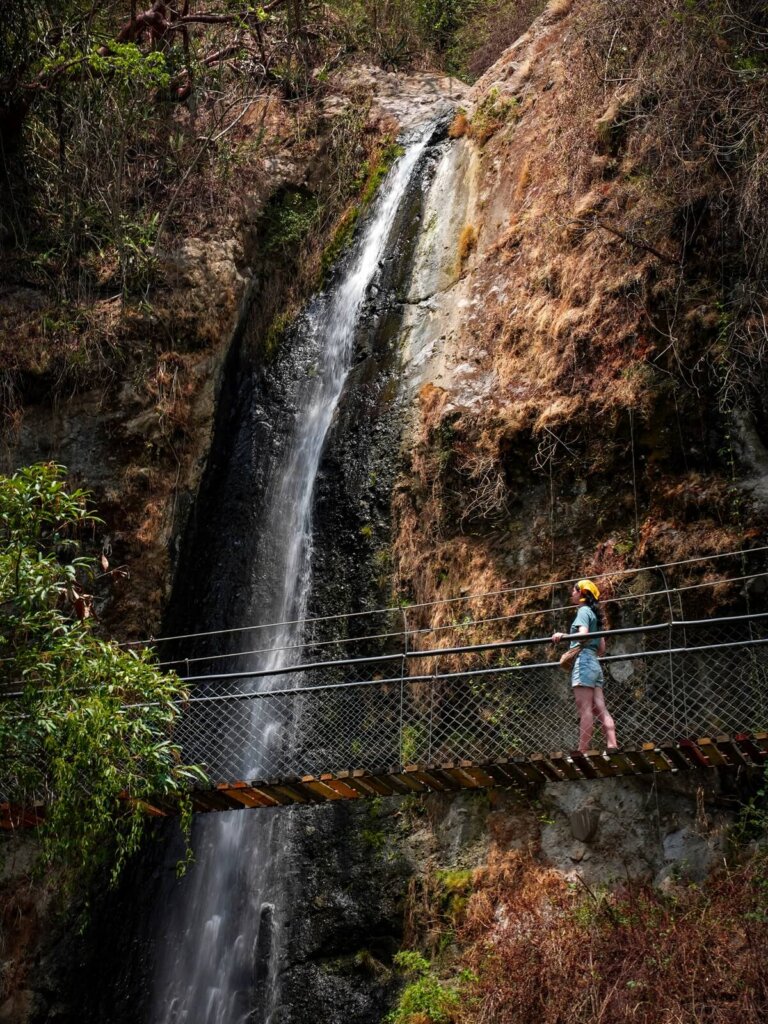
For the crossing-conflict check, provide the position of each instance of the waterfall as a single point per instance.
(220, 961)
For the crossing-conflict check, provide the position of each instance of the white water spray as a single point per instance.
(229, 914)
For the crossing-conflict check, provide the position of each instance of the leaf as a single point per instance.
(104, 562)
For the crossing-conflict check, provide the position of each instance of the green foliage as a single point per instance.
(365, 185)
(289, 217)
(340, 240)
(455, 886)
(463, 37)
(276, 332)
(412, 743)
(90, 157)
(752, 823)
(86, 727)
(439, 20)
(425, 995)
(125, 65)
(493, 112)
(376, 173)
(409, 961)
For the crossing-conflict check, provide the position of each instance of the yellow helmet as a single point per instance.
(589, 586)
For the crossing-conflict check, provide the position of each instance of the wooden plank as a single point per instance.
(376, 783)
(712, 752)
(266, 790)
(621, 762)
(601, 764)
(675, 758)
(564, 763)
(464, 780)
(478, 775)
(441, 781)
(523, 780)
(584, 765)
(245, 795)
(362, 786)
(639, 761)
(729, 751)
(431, 780)
(448, 782)
(531, 772)
(409, 780)
(12, 816)
(750, 748)
(392, 780)
(656, 758)
(540, 762)
(341, 787)
(211, 800)
(152, 811)
(502, 778)
(157, 806)
(296, 792)
(318, 788)
(689, 749)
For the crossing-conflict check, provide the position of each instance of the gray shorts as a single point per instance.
(587, 671)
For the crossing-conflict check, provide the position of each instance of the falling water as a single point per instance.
(221, 957)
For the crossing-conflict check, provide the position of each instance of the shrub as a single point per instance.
(85, 725)
(425, 1000)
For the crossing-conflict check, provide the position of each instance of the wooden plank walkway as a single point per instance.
(525, 775)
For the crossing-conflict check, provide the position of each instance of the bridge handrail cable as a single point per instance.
(449, 600)
(471, 648)
(422, 631)
(297, 691)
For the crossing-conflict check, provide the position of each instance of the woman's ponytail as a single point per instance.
(590, 602)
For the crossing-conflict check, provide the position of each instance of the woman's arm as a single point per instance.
(556, 637)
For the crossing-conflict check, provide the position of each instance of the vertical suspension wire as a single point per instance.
(403, 660)
(634, 472)
(430, 729)
(670, 659)
(758, 675)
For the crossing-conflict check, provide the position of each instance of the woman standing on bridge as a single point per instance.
(587, 674)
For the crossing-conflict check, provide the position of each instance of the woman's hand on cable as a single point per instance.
(557, 637)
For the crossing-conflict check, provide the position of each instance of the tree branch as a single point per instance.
(640, 244)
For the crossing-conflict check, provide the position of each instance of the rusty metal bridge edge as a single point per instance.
(523, 775)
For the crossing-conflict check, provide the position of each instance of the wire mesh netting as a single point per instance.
(700, 680)
(462, 681)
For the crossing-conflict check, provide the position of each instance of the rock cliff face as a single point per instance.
(584, 403)
(124, 393)
(375, 877)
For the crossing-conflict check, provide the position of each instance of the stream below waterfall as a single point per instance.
(225, 921)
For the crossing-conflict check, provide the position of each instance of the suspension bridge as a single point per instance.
(466, 694)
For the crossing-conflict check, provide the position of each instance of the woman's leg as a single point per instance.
(604, 717)
(584, 699)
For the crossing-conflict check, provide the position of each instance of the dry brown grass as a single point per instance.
(523, 179)
(552, 951)
(467, 243)
(493, 28)
(459, 126)
(558, 8)
(607, 346)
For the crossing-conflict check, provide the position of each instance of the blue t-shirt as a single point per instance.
(586, 617)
